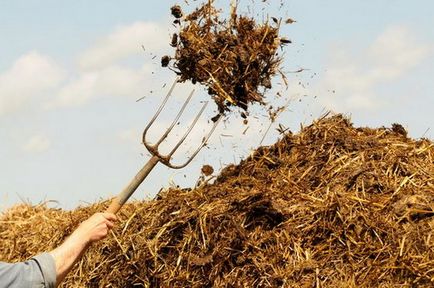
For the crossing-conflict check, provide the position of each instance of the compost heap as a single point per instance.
(234, 58)
(333, 206)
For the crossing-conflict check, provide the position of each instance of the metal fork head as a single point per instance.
(153, 148)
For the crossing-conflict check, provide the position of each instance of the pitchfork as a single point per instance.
(126, 193)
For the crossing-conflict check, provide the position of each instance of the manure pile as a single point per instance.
(331, 206)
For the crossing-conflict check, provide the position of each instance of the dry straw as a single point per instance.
(333, 206)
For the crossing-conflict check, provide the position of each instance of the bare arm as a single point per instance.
(93, 229)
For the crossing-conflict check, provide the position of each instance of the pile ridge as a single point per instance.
(330, 206)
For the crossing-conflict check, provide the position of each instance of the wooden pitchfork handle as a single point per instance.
(126, 193)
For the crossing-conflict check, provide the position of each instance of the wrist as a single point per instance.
(80, 238)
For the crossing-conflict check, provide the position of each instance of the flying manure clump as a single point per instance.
(234, 58)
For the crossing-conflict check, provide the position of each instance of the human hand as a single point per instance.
(96, 227)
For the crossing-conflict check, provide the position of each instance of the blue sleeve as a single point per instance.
(38, 272)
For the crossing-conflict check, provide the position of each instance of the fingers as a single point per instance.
(110, 224)
(97, 226)
(109, 216)
(108, 219)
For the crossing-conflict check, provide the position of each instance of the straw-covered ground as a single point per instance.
(333, 206)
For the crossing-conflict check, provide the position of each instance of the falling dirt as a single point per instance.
(207, 170)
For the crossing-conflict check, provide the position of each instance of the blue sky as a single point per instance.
(71, 72)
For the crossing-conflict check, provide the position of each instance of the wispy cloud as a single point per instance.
(124, 42)
(113, 67)
(37, 144)
(354, 78)
(114, 80)
(102, 71)
(131, 136)
(32, 75)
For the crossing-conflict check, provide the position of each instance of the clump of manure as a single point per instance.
(235, 58)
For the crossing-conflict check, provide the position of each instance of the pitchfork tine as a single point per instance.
(157, 157)
(158, 111)
(187, 133)
(204, 141)
(174, 120)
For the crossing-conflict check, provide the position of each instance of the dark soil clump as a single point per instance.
(176, 11)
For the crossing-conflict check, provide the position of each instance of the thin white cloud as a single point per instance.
(354, 78)
(131, 136)
(396, 51)
(111, 81)
(37, 144)
(124, 42)
(30, 76)
(102, 72)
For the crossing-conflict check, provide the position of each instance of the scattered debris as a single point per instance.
(290, 21)
(165, 61)
(176, 11)
(207, 170)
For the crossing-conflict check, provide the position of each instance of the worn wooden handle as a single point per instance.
(114, 207)
(126, 193)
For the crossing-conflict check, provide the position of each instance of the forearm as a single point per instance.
(93, 229)
(67, 254)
